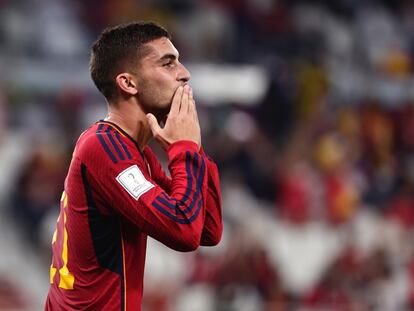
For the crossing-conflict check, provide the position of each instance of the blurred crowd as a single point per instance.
(317, 176)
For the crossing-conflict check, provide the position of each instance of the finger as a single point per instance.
(184, 99)
(153, 123)
(193, 106)
(195, 112)
(191, 102)
(176, 102)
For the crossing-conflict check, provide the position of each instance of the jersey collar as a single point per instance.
(121, 131)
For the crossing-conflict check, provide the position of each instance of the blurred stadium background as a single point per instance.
(308, 109)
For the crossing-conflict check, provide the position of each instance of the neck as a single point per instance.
(132, 119)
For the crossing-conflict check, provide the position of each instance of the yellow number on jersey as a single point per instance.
(66, 278)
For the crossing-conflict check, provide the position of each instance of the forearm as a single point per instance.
(184, 207)
(213, 223)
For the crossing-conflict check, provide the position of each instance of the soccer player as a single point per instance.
(116, 192)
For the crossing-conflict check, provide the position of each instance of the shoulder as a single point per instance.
(103, 143)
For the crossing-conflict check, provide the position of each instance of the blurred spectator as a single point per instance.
(38, 190)
(11, 297)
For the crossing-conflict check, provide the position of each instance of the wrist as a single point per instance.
(181, 146)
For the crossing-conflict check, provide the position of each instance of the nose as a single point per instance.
(183, 74)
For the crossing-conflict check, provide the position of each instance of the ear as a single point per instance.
(127, 83)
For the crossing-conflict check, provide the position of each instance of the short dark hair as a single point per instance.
(118, 48)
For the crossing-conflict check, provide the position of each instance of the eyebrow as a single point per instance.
(171, 57)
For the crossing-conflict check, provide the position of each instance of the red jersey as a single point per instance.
(114, 196)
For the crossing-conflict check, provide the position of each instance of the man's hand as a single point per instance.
(182, 121)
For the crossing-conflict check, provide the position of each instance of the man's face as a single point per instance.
(160, 74)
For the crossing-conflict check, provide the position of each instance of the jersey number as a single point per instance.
(66, 279)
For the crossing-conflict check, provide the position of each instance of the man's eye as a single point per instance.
(169, 64)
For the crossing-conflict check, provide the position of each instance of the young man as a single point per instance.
(116, 192)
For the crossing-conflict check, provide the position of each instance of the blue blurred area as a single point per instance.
(306, 106)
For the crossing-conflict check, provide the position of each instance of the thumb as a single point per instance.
(153, 123)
